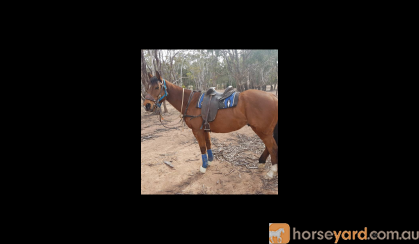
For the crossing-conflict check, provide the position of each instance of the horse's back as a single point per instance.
(261, 108)
(255, 108)
(257, 95)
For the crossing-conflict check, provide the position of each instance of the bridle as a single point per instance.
(159, 102)
(159, 97)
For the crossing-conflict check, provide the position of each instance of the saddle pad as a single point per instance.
(228, 102)
(199, 105)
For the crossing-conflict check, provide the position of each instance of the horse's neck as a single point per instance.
(175, 96)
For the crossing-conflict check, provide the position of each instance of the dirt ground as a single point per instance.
(229, 173)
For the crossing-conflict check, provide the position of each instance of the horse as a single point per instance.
(277, 234)
(257, 109)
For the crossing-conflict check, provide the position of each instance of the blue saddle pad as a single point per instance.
(227, 102)
(199, 105)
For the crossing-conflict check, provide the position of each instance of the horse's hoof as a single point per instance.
(271, 174)
(268, 176)
(203, 170)
(209, 163)
(261, 167)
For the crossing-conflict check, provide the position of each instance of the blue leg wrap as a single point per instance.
(204, 161)
(210, 157)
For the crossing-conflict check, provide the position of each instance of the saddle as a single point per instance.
(211, 101)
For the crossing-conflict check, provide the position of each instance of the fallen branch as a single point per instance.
(251, 167)
(168, 163)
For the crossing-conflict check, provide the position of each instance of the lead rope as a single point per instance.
(181, 115)
(161, 117)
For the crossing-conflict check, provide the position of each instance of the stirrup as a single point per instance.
(207, 126)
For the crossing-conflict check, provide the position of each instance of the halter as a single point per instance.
(165, 93)
(159, 97)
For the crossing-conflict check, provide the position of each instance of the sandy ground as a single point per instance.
(159, 144)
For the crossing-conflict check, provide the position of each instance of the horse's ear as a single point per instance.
(150, 75)
(158, 75)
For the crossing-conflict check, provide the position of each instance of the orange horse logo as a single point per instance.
(279, 233)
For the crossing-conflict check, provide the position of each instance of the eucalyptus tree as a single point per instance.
(237, 65)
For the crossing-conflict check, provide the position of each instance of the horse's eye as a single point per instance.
(157, 88)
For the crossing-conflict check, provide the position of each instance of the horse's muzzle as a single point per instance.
(148, 107)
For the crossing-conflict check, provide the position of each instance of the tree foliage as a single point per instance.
(243, 69)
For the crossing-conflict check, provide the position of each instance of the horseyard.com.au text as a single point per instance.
(355, 235)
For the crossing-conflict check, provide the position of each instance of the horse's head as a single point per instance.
(156, 92)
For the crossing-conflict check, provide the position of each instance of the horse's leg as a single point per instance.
(270, 144)
(273, 150)
(262, 159)
(200, 137)
(208, 143)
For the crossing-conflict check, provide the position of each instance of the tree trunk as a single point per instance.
(144, 76)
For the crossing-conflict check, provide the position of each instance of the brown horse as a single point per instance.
(255, 108)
